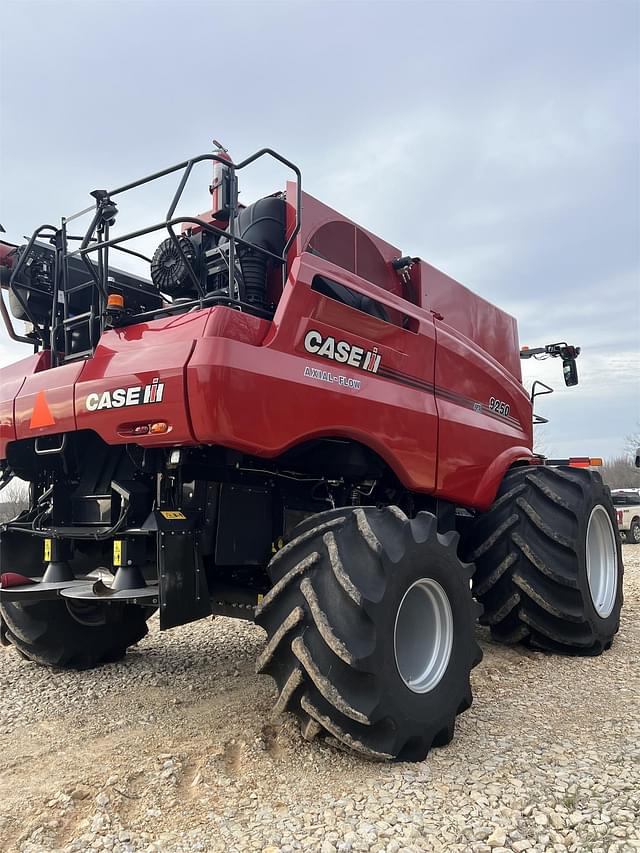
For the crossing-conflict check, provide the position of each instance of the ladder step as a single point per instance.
(70, 322)
(76, 356)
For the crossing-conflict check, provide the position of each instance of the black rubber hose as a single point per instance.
(262, 224)
(254, 274)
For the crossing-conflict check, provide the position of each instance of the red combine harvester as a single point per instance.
(288, 421)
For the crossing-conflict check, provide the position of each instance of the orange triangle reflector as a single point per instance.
(41, 416)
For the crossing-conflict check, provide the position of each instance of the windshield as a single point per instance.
(625, 500)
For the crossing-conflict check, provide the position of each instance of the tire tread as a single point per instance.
(528, 564)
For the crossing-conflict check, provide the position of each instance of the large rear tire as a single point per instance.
(548, 561)
(370, 625)
(46, 631)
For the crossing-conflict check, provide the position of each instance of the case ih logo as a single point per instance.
(121, 397)
(342, 351)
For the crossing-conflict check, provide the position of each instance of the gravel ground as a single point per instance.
(173, 750)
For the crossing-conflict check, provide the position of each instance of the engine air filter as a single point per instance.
(169, 272)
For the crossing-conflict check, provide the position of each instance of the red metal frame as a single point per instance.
(247, 383)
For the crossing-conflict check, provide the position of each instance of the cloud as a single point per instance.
(498, 141)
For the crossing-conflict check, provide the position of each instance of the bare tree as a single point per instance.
(13, 499)
(620, 473)
(632, 442)
(541, 441)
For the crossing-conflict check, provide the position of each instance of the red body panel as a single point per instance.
(232, 379)
(58, 385)
(490, 328)
(12, 380)
(472, 436)
(341, 241)
(261, 402)
(133, 357)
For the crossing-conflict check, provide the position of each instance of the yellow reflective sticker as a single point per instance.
(260, 597)
(47, 550)
(117, 552)
(173, 515)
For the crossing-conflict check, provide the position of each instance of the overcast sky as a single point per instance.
(497, 140)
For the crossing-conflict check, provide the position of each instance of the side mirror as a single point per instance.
(570, 371)
(638, 458)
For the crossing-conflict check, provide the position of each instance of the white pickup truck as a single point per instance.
(627, 505)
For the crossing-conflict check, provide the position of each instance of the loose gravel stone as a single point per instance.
(173, 751)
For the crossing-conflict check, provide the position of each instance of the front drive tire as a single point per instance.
(370, 625)
(46, 632)
(548, 561)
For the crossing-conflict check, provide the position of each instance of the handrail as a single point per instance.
(538, 419)
(9, 324)
(39, 331)
(194, 220)
(97, 239)
(200, 158)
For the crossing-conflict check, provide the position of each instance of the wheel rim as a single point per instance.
(602, 561)
(635, 531)
(423, 635)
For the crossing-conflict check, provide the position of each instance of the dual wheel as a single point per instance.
(370, 619)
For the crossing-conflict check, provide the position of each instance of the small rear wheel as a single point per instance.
(633, 535)
(73, 635)
(370, 625)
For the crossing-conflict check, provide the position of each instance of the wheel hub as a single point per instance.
(602, 561)
(423, 635)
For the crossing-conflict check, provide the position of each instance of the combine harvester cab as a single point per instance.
(286, 420)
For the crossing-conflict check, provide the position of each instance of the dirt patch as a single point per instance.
(174, 749)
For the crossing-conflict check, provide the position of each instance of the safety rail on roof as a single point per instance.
(97, 243)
